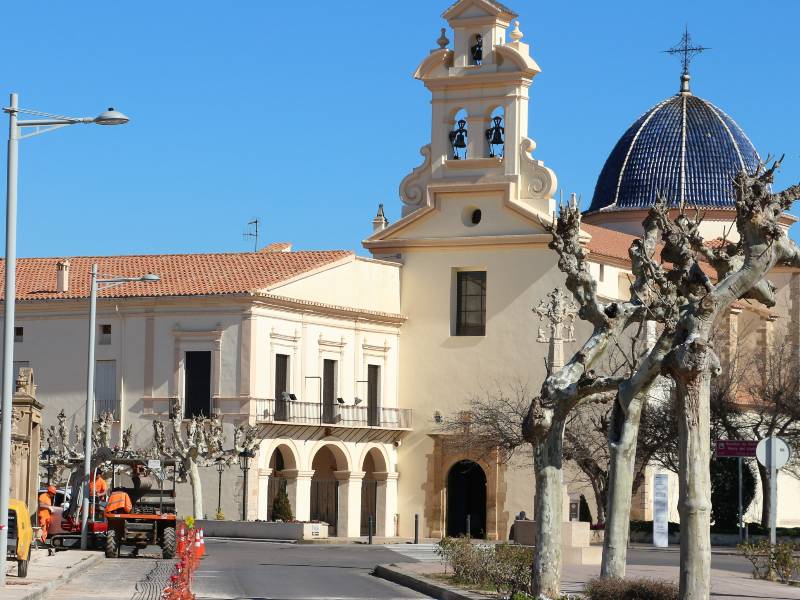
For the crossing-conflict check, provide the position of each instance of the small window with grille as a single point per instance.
(19, 334)
(104, 335)
(470, 303)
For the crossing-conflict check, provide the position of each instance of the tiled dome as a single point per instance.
(685, 148)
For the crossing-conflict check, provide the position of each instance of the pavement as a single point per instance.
(47, 573)
(730, 574)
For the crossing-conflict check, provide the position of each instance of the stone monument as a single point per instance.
(26, 435)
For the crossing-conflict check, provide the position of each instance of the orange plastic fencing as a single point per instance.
(189, 553)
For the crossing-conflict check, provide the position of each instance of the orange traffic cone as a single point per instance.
(202, 544)
(198, 551)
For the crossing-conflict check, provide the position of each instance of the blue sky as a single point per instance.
(306, 116)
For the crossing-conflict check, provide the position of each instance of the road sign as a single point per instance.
(782, 452)
(736, 448)
(661, 510)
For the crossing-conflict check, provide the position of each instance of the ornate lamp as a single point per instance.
(244, 464)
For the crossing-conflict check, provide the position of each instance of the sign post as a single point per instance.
(773, 453)
(661, 510)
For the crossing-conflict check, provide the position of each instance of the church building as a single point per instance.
(348, 365)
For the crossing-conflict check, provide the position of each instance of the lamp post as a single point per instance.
(106, 281)
(244, 464)
(45, 123)
(221, 464)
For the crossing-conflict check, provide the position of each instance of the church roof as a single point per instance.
(685, 148)
(181, 274)
(496, 5)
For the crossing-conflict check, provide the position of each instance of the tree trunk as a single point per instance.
(197, 488)
(766, 494)
(623, 433)
(546, 572)
(694, 459)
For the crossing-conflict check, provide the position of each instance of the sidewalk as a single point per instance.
(725, 585)
(47, 573)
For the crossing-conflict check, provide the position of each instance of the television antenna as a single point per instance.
(252, 232)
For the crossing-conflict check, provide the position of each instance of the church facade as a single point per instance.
(349, 365)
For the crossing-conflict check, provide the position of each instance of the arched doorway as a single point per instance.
(373, 463)
(325, 488)
(466, 495)
(280, 460)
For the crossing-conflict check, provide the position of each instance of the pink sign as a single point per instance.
(735, 448)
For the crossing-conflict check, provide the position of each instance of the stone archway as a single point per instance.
(282, 467)
(466, 500)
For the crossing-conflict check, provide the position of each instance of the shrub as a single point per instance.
(510, 571)
(631, 589)
(469, 562)
(771, 562)
(281, 508)
(725, 494)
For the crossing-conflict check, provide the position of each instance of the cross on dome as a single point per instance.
(687, 52)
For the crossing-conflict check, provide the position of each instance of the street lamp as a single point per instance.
(244, 464)
(106, 281)
(221, 466)
(45, 123)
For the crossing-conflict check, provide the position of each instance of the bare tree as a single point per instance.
(201, 444)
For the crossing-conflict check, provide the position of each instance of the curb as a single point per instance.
(247, 539)
(421, 584)
(70, 573)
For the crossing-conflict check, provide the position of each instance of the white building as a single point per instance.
(440, 313)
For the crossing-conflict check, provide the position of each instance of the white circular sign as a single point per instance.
(782, 452)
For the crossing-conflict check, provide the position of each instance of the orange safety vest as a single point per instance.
(97, 487)
(119, 502)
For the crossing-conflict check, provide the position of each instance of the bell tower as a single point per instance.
(479, 116)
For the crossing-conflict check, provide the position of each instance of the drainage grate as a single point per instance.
(152, 585)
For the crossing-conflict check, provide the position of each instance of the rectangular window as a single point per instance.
(19, 333)
(281, 386)
(602, 272)
(105, 388)
(104, 335)
(329, 391)
(373, 395)
(197, 384)
(471, 303)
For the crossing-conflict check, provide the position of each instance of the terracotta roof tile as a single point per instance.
(607, 242)
(181, 274)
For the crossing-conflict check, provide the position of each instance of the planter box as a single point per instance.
(263, 530)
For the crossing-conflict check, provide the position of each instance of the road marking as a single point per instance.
(420, 552)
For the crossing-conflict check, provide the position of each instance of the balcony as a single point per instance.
(313, 420)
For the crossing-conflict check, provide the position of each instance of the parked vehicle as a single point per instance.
(60, 505)
(20, 535)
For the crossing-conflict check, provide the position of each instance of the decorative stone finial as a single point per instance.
(516, 34)
(442, 41)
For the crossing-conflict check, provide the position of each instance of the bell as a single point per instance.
(477, 49)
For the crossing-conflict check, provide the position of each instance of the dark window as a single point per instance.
(476, 216)
(19, 332)
(105, 335)
(373, 385)
(329, 391)
(471, 303)
(197, 373)
(281, 379)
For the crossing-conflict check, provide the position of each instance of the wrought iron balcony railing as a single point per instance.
(345, 415)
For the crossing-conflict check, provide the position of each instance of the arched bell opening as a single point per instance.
(458, 135)
(496, 133)
(475, 54)
(466, 500)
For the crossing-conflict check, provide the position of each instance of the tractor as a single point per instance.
(151, 520)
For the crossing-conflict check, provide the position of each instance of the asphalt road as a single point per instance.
(238, 570)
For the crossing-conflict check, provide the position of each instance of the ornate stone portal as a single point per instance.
(26, 433)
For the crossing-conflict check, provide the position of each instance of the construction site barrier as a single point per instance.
(190, 550)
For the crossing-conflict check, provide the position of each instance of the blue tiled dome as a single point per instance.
(685, 148)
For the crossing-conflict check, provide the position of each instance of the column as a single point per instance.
(298, 488)
(349, 521)
(262, 500)
(386, 501)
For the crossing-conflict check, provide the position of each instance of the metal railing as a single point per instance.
(346, 415)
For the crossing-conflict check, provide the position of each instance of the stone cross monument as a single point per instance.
(557, 313)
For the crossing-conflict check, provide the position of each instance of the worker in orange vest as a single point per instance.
(98, 490)
(119, 502)
(45, 510)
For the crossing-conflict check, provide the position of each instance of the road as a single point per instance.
(239, 570)
(260, 571)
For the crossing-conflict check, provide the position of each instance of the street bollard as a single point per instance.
(416, 528)
(369, 529)
(469, 528)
